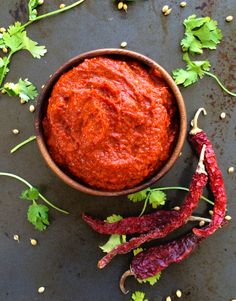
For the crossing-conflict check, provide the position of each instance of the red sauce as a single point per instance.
(110, 123)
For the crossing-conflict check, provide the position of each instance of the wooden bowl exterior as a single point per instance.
(120, 53)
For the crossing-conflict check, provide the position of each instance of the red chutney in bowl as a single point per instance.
(111, 123)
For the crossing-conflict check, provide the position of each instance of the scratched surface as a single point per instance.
(65, 259)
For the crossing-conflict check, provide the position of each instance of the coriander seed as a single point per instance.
(168, 12)
(41, 289)
(165, 8)
(125, 7)
(222, 115)
(33, 242)
(120, 5)
(229, 18)
(16, 237)
(4, 50)
(40, 2)
(211, 212)
(2, 29)
(201, 223)
(62, 5)
(228, 218)
(15, 131)
(178, 293)
(32, 108)
(183, 4)
(168, 298)
(176, 208)
(230, 170)
(123, 44)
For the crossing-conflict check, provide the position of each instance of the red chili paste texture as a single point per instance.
(110, 123)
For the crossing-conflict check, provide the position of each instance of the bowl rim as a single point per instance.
(72, 63)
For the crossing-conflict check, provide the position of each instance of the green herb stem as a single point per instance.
(18, 146)
(30, 186)
(144, 206)
(55, 12)
(5, 67)
(183, 189)
(220, 83)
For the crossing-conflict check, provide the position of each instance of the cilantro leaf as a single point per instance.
(2, 44)
(113, 241)
(24, 89)
(138, 196)
(151, 280)
(209, 34)
(3, 66)
(16, 39)
(114, 218)
(138, 296)
(157, 198)
(190, 43)
(200, 33)
(12, 38)
(15, 28)
(14, 42)
(184, 77)
(194, 71)
(137, 251)
(32, 46)
(38, 216)
(30, 194)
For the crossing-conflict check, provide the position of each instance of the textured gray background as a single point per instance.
(65, 259)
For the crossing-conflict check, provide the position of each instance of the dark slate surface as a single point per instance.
(65, 259)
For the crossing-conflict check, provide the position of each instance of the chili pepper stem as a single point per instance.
(195, 129)
(198, 219)
(122, 281)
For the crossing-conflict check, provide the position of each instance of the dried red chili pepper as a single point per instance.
(131, 225)
(199, 138)
(152, 261)
(198, 182)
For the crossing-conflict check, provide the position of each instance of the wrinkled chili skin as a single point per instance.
(198, 182)
(152, 261)
(131, 225)
(216, 183)
(111, 123)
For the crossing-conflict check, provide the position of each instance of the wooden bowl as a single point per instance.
(42, 105)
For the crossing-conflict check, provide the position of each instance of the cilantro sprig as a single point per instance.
(115, 239)
(23, 89)
(194, 71)
(15, 39)
(38, 214)
(156, 196)
(200, 33)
